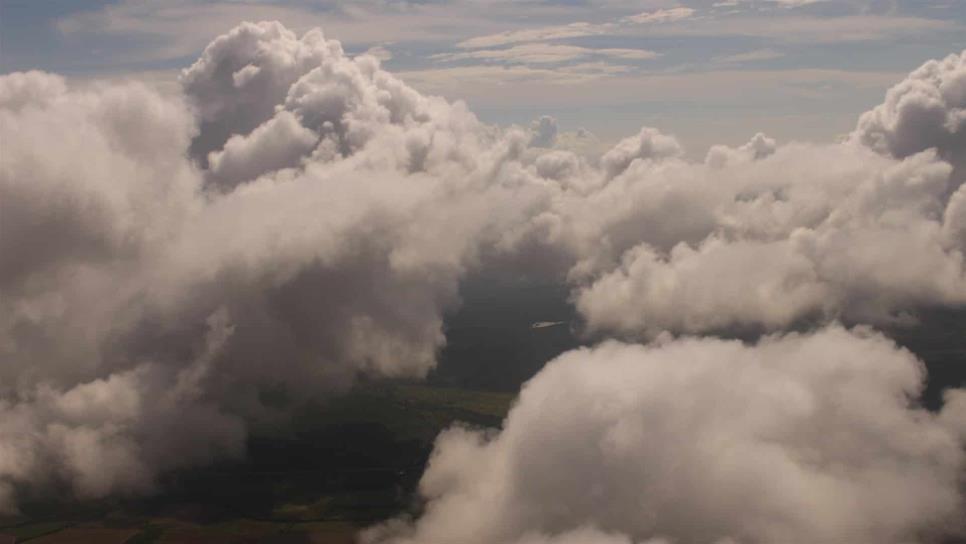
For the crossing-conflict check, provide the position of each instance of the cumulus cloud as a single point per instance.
(544, 131)
(93, 183)
(648, 144)
(797, 439)
(926, 110)
(759, 147)
(835, 230)
(114, 435)
(23, 88)
(298, 217)
(278, 143)
(328, 229)
(243, 75)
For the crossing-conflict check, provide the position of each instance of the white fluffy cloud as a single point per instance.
(328, 230)
(798, 439)
(839, 230)
(243, 75)
(833, 231)
(648, 144)
(299, 217)
(925, 110)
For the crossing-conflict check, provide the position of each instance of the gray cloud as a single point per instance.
(544, 131)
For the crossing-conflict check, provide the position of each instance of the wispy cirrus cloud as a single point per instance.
(494, 43)
(660, 16)
(780, 3)
(576, 30)
(573, 30)
(756, 55)
(545, 53)
(809, 29)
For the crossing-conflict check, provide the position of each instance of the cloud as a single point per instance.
(295, 218)
(26, 88)
(648, 144)
(784, 27)
(380, 52)
(278, 143)
(751, 56)
(572, 30)
(780, 3)
(488, 78)
(627, 54)
(544, 131)
(244, 74)
(660, 16)
(534, 53)
(853, 230)
(925, 110)
(114, 435)
(779, 26)
(796, 439)
(138, 31)
(327, 231)
(177, 29)
(544, 53)
(759, 147)
(672, 249)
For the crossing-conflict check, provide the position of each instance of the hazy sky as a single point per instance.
(709, 71)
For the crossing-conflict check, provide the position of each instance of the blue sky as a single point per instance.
(709, 71)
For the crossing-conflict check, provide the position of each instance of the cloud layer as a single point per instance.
(298, 217)
(861, 230)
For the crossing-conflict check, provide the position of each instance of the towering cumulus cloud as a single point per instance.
(147, 284)
(926, 110)
(296, 218)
